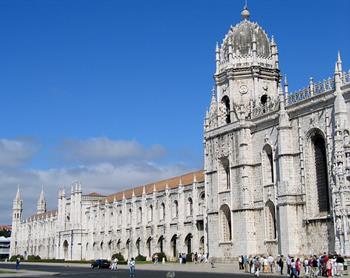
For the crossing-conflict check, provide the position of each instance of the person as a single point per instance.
(18, 259)
(114, 264)
(257, 267)
(271, 261)
(298, 266)
(132, 267)
(293, 270)
(280, 264)
(156, 258)
(340, 265)
(240, 262)
(288, 261)
(245, 263)
(306, 266)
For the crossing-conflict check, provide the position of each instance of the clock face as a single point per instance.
(243, 89)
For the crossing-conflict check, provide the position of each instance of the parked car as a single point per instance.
(100, 264)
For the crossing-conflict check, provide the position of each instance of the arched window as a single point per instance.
(201, 203)
(139, 217)
(130, 216)
(270, 221)
(149, 247)
(224, 173)
(150, 213)
(162, 211)
(189, 207)
(226, 102)
(225, 219)
(267, 164)
(175, 209)
(320, 162)
(120, 220)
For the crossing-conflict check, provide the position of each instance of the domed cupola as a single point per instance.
(246, 44)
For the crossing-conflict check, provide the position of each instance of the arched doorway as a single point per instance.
(188, 243)
(201, 245)
(65, 249)
(161, 244)
(149, 247)
(138, 246)
(270, 221)
(128, 247)
(174, 245)
(225, 222)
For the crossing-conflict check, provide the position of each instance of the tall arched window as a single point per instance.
(139, 217)
(175, 209)
(224, 173)
(320, 161)
(226, 102)
(201, 203)
(162, 211)
(267, 165)
(130, 216)
(270, 221)
(225, 219)
(189, 207)
(150, 213)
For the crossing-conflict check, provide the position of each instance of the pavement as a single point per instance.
(143, 270)
(189, 270)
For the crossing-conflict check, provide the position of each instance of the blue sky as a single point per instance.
(113, 93)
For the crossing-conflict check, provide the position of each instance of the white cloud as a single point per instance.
(101, 149)
(105, 166)
(16, 152)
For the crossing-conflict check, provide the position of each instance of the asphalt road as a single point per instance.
(76, 272)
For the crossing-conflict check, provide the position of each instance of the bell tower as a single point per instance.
(247, 71)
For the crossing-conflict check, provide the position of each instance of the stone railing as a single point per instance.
(314, 89)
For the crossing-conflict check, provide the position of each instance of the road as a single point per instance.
(76, 272)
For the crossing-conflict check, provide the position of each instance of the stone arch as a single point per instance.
(270, 221)
(173, 244)
(224, 173)
(227, 106)
(267, 165)
(150, 213)
(188, 243)
(128, 248)
(149, 247)
(201, 203)
(189, 206)
(138, 246)
(162, 211)
(175, 209)
(317, 177)
(225, 223)
(65, 249)
(201, 245)
(161, 244)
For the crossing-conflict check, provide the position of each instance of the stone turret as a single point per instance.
(17, 209)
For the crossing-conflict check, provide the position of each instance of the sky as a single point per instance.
(113, 93)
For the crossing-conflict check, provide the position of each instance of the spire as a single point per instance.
(245, 13)
(18, 195)
(339, 63)
(41, 208)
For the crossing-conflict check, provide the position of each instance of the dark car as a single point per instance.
(100, 264)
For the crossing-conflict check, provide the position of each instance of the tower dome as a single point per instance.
(242, 36)
(245, 37)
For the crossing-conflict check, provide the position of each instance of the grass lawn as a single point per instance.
(6, 272)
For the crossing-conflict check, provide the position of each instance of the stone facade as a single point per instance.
(167, 216)
(276, 175)
(276, 163)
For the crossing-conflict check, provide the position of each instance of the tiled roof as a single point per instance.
(43, 215)
(95, 194)
(174, 182)
(5, 227)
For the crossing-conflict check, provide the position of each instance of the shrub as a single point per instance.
(119, 256)
(140, 258)
(32, 258)
(161, 255)
(13, 258)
